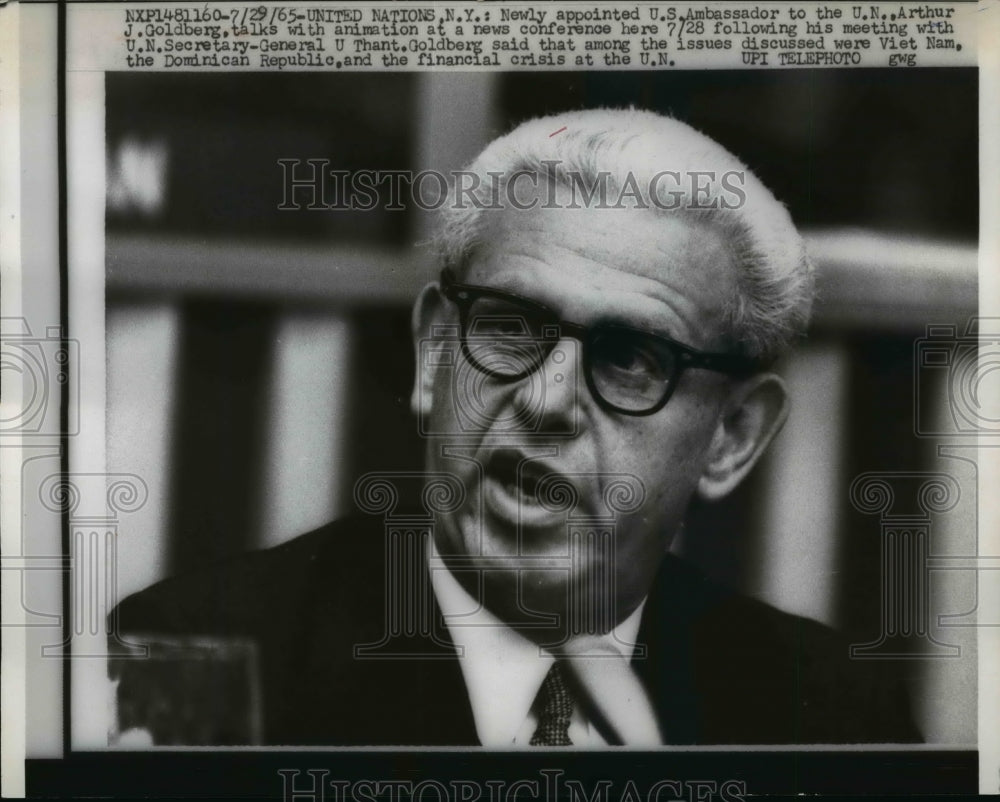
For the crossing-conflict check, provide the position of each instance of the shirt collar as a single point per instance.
(503, 670)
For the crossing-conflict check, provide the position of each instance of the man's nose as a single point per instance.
(553, 390)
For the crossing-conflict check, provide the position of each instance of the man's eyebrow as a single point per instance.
(617, 320)
(520, 297)
(614, 318)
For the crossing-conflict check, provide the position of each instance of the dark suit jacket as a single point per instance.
(720, 668)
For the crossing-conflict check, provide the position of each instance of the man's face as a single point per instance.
(668, 275)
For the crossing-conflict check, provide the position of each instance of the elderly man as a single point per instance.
(594, 357)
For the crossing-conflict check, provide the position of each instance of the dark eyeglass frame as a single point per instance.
(685, 357)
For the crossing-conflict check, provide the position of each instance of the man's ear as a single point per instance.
(752, 416)
(428, 311)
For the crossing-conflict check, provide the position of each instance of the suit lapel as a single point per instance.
(441, 707)
(679, 596)
(396, 689)
(415, 694)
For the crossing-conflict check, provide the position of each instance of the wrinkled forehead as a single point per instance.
(668, 272)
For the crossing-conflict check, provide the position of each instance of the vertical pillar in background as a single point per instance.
(142, 341)
(306, 427)
(456, 118)
(224, 368)
(804, 475)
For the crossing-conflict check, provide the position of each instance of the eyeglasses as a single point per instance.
(627, 370)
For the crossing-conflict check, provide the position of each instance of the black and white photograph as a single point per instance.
(596, 428)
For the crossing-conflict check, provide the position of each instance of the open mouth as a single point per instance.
(511, 486)
(517, 477)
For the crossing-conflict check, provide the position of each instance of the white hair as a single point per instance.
(629, 147)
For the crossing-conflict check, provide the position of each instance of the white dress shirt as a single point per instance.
(503, 670)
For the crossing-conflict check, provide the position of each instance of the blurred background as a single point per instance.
(259, 360)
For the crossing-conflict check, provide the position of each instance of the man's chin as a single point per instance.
(520, 565)
(529, 601)
(547, 605)
(507, 534)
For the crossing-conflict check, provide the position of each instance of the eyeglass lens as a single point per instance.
(627, 369)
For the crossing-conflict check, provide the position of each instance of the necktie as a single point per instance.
(554, 707)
